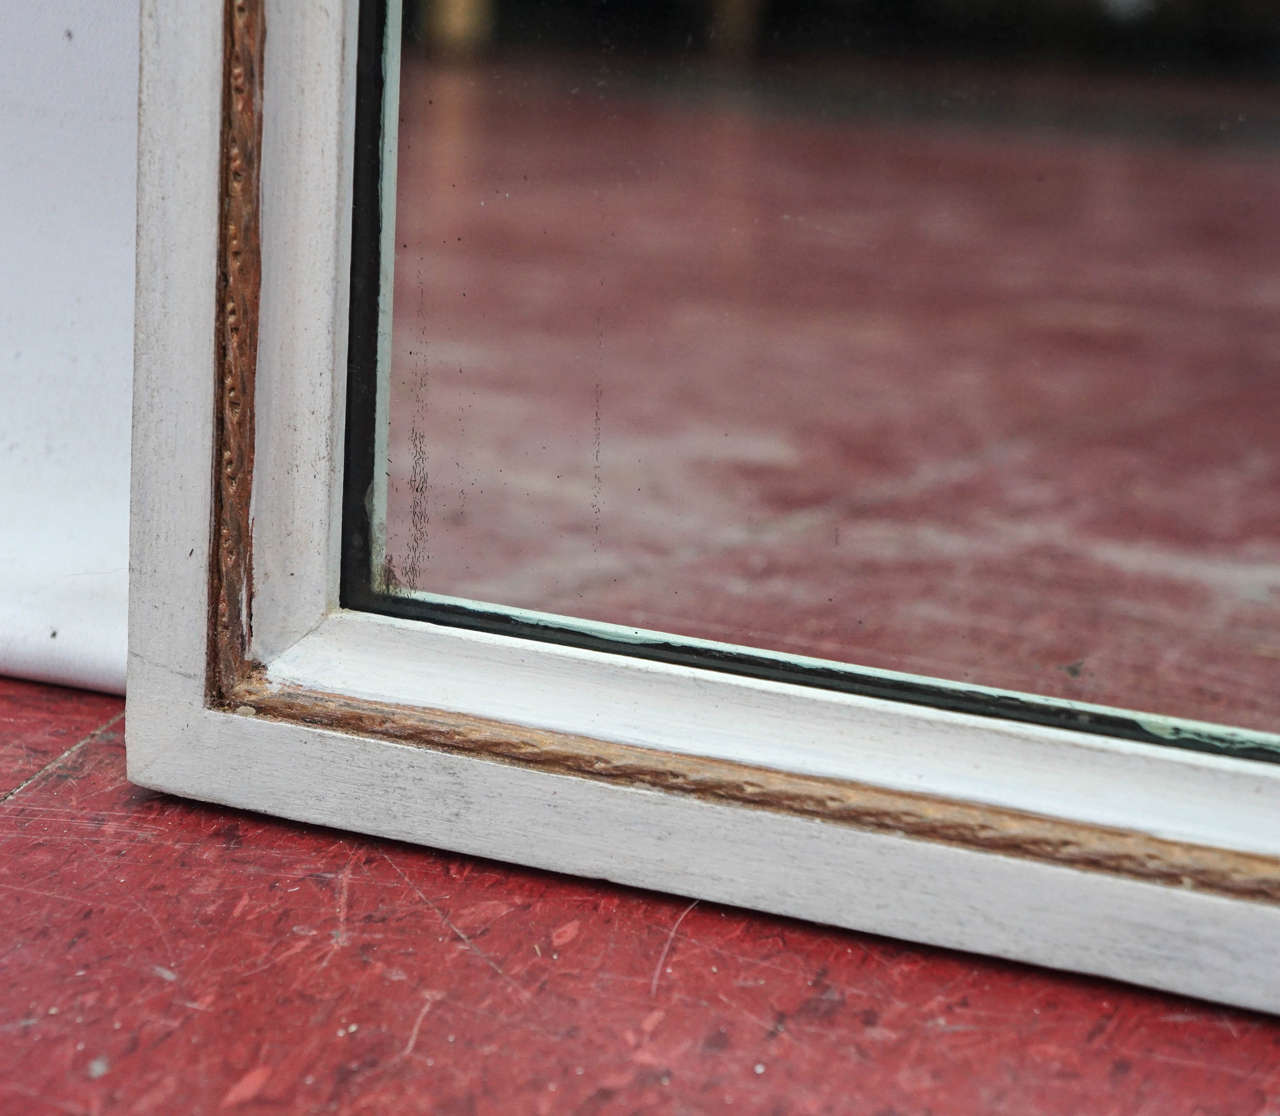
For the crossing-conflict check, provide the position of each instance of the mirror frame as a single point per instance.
(250, 686)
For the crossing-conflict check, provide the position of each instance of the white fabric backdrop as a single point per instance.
(68, 107)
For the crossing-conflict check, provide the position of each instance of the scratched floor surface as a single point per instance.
(162, 956)
(983, 401)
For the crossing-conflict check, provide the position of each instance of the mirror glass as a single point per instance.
(939, 338)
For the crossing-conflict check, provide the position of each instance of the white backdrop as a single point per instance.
(68, 105)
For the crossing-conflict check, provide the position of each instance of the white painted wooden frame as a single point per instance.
(1134, 861)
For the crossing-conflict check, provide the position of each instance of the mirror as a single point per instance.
(940, 339)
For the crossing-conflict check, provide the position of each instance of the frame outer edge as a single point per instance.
(179, 132)
(1202, 945)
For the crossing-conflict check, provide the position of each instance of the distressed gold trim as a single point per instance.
(965, 824)
(239, 287)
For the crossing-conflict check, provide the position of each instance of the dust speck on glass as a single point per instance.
(895, 349)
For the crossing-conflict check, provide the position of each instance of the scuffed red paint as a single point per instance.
(162, 956)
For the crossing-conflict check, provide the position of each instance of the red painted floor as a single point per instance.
(980, 399)
(163, 956)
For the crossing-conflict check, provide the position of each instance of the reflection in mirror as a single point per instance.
(940, 338)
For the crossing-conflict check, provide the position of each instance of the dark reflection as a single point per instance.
(933, 337)
(1190, 35)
